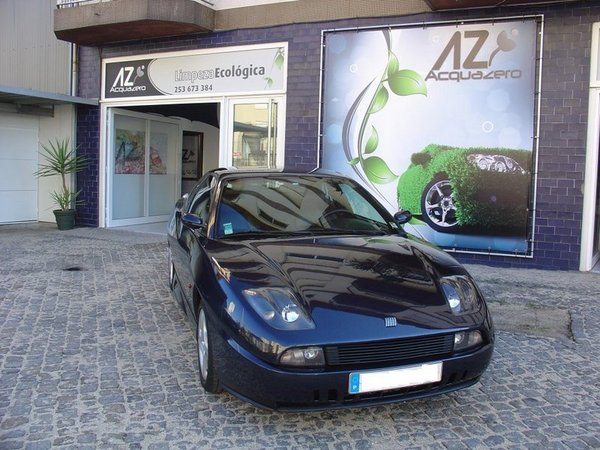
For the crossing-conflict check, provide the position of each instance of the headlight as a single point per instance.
(465, 340)
(279, 308)
(303, 357)
(460, 293)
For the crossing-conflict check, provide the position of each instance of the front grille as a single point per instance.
(401, 350)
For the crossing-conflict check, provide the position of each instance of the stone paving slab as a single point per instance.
(94, 353)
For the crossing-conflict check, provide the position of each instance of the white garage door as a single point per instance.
(18, 162)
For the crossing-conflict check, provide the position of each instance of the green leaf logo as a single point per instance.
(407, 82)
(393, 65)
(279, 60)
(400, 82)
(377, 170)
(373, 141)
(380, 100)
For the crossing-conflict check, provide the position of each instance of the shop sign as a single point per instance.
(439, 120)
(256, 70)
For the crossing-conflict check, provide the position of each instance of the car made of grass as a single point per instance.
(477, 190)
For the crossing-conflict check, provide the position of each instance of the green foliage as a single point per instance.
(377, 170)
(401, 82)
(483, 199)
(407, 82)
(61, 161)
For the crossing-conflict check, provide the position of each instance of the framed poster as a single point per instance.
(158, 153)
(191, 155)
(129, 154)
(439, 120)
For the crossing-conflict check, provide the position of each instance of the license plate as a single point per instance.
(381, 380)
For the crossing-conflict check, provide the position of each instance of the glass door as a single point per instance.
(256, 138)
(597, 220)
(142, 169)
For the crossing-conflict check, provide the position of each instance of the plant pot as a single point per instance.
(65, 218)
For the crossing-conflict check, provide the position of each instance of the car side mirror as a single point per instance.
(192, 221)
(402, 217)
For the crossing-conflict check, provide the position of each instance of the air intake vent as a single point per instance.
(413, 349)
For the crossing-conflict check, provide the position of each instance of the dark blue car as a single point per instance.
(307, 294)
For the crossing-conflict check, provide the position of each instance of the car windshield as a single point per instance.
(298, 205)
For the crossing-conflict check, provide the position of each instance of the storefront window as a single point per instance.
(255, 135)
(144, 169)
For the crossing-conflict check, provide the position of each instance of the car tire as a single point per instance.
(206, 368)
(437, 206)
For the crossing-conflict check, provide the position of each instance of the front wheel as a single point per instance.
(208, 377)
(438, 208)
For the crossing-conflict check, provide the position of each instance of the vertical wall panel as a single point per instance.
(31, 56)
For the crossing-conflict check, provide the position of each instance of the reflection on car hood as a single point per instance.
(364, 276)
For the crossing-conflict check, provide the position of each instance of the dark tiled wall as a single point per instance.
(88, 136)
(563, 115)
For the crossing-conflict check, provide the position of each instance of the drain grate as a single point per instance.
(73, 269)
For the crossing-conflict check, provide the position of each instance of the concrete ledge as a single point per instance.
(126, 20)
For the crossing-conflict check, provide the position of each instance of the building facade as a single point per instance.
(278, 85)
(37, 106)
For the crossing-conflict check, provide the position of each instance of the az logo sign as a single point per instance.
(125, 79)
(473, 66)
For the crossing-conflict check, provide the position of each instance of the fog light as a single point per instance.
(467, 339)
(306, 357)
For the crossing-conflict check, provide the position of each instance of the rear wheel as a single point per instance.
(437, 206)
(208, 377)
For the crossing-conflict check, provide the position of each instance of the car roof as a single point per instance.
(222, 173)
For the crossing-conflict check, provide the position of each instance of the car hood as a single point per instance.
(353, 278)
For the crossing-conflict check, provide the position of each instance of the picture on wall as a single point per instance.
(191, 155)
(158, 153)
(439, 120)
(130, 152)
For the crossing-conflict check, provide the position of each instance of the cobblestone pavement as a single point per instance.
(94, 353)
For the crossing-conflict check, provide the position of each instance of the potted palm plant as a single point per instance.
(61, 160)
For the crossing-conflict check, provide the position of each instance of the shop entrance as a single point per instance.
(142, 168)
(157, 139)
(155, 153)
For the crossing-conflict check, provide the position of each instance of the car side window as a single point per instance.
(359, 205)
(201, 203)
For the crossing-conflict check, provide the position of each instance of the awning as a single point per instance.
(28, 101)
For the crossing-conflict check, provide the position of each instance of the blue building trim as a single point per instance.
(88, 145)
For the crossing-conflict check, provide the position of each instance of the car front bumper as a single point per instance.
(253, 380)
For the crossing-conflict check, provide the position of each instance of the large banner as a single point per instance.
(198, 74)
(438, 120)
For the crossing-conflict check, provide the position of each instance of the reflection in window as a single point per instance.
(254, 135)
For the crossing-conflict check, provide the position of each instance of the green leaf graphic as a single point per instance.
(377, 171)
(393, 65)
(354, 161)
(380, 100)
(373, 141)
(407, 82)
(279, 60)
(269, 81)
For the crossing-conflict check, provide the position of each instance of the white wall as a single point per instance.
(31, 55)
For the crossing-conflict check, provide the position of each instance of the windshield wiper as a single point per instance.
(265, 234)
(352, 232)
